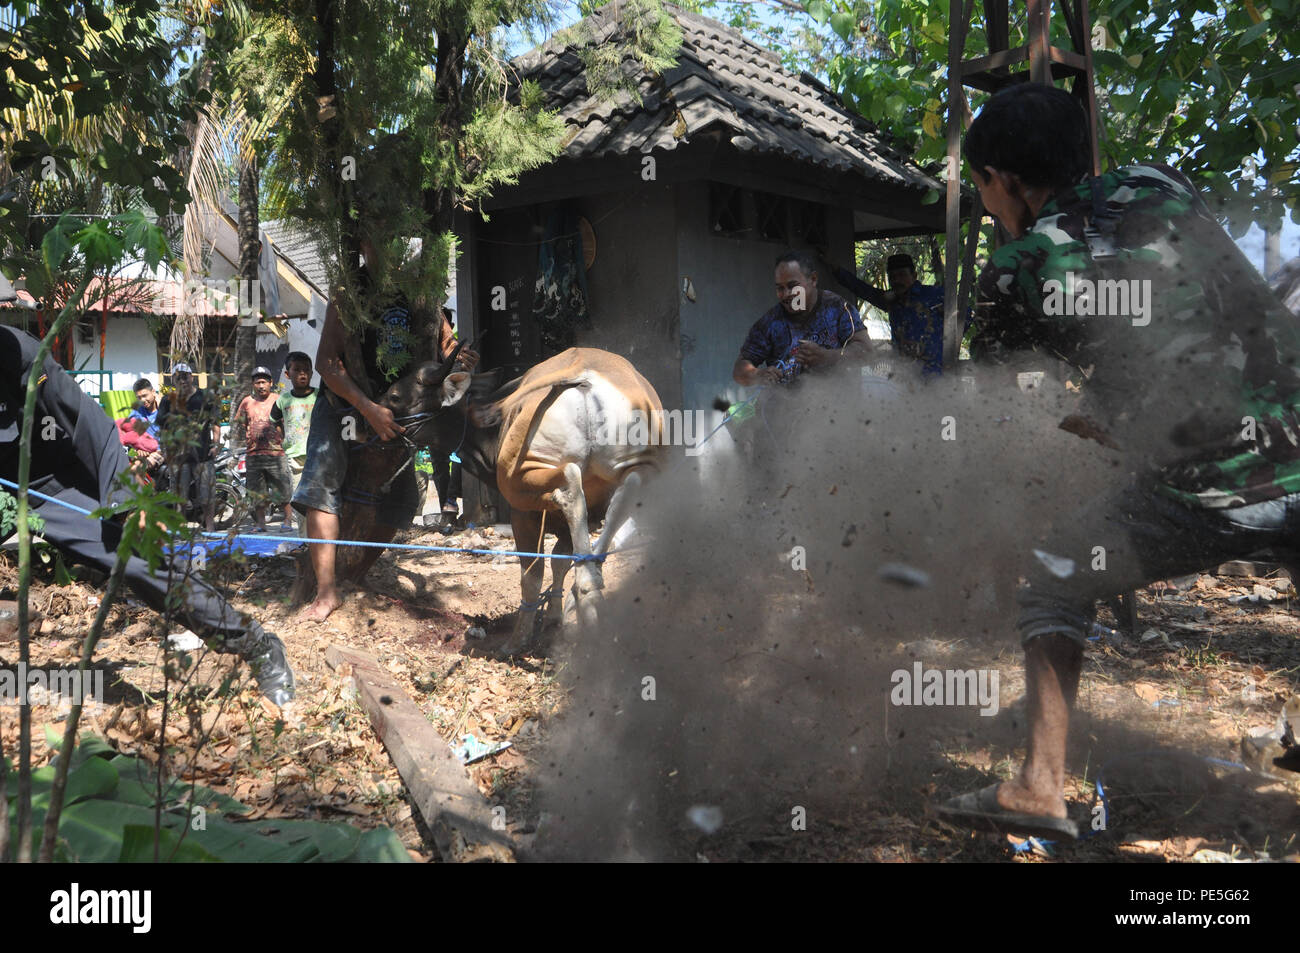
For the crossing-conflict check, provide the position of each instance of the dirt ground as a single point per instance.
(1202, 671)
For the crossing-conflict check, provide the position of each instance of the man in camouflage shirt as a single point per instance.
(1186, 363)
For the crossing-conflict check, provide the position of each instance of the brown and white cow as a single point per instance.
(548, 442)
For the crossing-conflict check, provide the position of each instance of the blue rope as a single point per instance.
(52, 499)
(575, 557)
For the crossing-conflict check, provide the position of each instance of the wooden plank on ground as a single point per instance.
(456, 813)
(1250, 568)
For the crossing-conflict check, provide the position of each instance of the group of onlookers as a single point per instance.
(271, 427)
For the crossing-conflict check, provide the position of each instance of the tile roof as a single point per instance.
(299, 250)
(722, 81)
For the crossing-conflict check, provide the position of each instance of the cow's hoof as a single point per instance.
(524, 633)
(514, 646)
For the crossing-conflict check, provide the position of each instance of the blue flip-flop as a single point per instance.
(980, 810)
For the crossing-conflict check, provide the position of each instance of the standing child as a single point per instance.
(259, 418)
(295, 407)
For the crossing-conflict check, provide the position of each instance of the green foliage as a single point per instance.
(617, 68)
(94, 91)
(1212, 86)
(9, 516)
(76, 248)
(403, 112)
(510, 141)
(108, 816)
(1208, 86)
(157, 520)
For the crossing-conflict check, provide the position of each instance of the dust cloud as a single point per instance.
(740, 685)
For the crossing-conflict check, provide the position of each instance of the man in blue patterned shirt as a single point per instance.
(915, 310)
(809, 329)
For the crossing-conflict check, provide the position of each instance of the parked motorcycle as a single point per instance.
(229, 490)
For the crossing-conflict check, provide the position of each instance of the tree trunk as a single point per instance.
(439, 201)
(249, 252)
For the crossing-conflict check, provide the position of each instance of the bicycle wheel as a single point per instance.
(227, 504)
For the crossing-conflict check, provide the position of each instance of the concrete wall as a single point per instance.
(130, 352)
(632, 284)
(734, 285)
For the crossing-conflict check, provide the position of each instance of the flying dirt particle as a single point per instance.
(706, 817)
(904, 575)
(1058, 566)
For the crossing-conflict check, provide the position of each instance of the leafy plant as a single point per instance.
(109, 813)
(9, 516)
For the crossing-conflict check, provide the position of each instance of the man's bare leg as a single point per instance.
(1052, 666)
(322, 525)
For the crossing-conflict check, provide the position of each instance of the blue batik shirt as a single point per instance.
(775, 336)
(916, 325)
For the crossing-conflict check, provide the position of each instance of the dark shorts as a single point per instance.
(268, 475)
(321, 484)
(1135, 537)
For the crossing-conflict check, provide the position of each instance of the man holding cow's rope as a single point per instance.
(398, 341)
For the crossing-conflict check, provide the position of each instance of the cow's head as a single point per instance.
(420, 395)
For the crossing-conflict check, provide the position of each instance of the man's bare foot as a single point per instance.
(320, 610)
(1014, 796)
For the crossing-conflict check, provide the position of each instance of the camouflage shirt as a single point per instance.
(1184, 357)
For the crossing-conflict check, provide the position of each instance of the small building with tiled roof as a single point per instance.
(677, 201)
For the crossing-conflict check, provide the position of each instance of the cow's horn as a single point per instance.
(448, 364)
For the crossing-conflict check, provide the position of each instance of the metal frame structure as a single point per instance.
(1047, 63)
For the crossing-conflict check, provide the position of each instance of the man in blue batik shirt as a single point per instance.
(808, 329)
(915, 310)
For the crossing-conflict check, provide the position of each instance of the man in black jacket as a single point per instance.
(77, 458)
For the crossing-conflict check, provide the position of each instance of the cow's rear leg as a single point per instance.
(559, 571)
(527, 526)
(620, 507)
(588, 580)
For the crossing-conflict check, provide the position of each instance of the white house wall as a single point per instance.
(130, 352)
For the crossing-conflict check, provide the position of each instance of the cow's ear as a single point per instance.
(454, 387)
